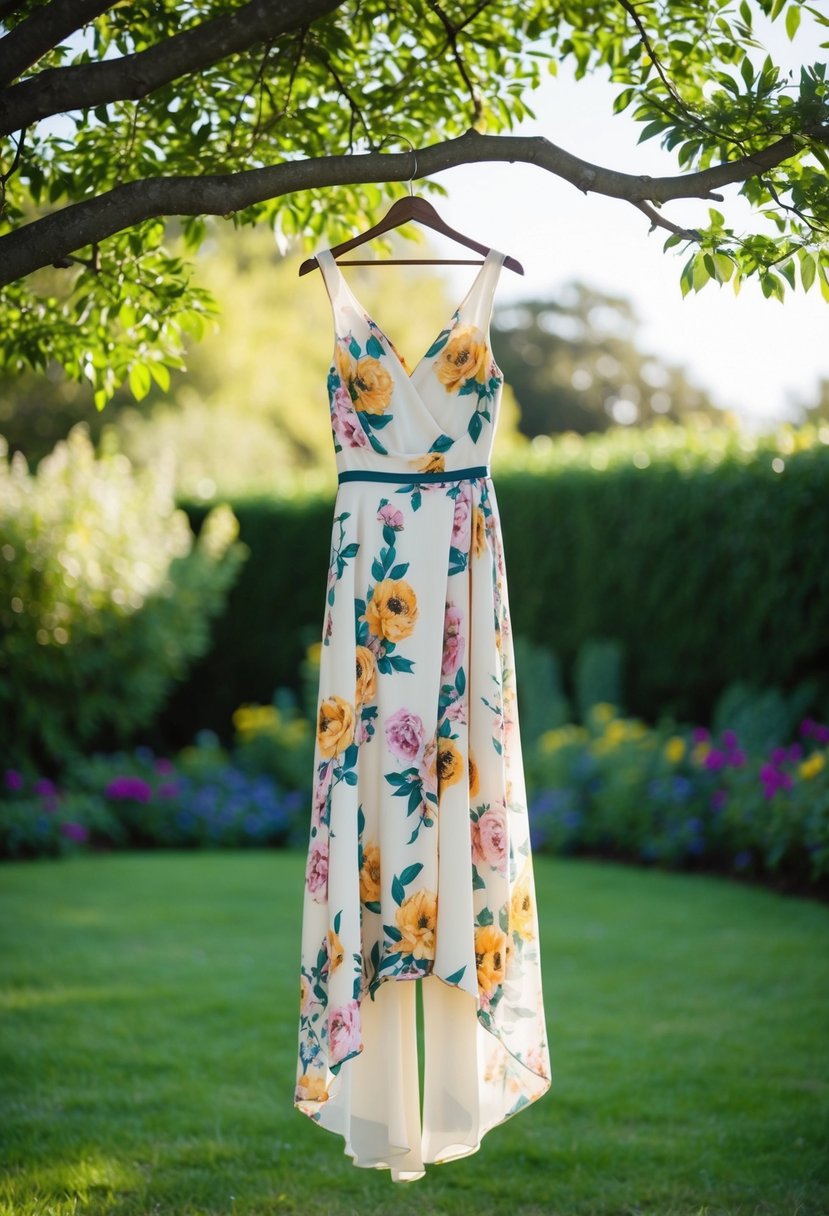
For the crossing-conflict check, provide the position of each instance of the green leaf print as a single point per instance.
(438, 344)
(442, 444)
(373, 906)
(398, 891)
(475, 426)
(338, 921)
(399, 570)
(398, 663)
(485, 917)
(354, 348)
(410, 873)
(392, 932)
(460, 681)
(456, 976)
(374, 348)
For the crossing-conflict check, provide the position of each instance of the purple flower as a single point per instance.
(699, 734)
(404, 735)
(729, 738)
(715, 759)
(737, 757)
(773, 780)
(75, 831)
(13, 779)
(44, 786)
(134, 788)
(778, 755)
(794, 752)
(163, 765)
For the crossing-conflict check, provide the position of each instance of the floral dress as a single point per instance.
(419, 864)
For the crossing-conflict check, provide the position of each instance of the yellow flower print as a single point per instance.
(521, 908)
(432, 462)
(417, 919)
(464, 357)
(474, 779)
(370, 874)
(311, 1089)
(366, 672)
(344, 365)
(335, 726)
(371, 386)
(336, 954)
(450, 762)
(490, 957)
(392, 610)
(478, 533)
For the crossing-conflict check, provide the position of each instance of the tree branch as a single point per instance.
(53, 237)
(81, 86)
(43, 30)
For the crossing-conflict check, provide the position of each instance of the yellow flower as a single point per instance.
(370, 874)
(521, 908)
(392, 610)
(474, 779)
(490, 956)
(432, 462)
(674, 749)
(811, 766)
(478, 533)
(366, 665)
(700, 751)
(450, 762)
(371, 386)
(335, 726)
(336, 954)
(311, 1089)
(417, 919)
(464, 357)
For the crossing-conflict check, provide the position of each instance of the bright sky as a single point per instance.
(755, 356)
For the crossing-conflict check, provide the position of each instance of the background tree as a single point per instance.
(117, 116)
(574, 365)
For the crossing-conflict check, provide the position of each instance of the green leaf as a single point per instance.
(139, 381)
(792, 20)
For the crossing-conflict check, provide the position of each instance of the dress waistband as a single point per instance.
(414, 478)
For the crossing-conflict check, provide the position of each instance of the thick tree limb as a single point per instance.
(61, 233)
(83, 85)
(46, 27)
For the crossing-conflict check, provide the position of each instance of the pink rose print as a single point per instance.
(344, 1035)
(390, 516)
(453, 641)
(347, 427)
(321, 790)
(404, 735)
(456, 712)
(491, 841)
(461, 522)
(316, 871)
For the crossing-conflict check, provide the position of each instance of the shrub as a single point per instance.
(104, 598)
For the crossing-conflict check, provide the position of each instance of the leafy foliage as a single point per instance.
(353, 77)
(105, 598)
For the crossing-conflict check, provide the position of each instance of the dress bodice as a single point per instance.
(440, 416)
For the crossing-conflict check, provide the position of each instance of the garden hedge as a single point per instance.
(705, 556)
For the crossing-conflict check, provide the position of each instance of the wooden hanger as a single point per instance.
(410, 207)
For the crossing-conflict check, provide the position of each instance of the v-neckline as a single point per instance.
(447, 329)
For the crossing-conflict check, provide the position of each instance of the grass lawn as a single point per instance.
(149, 1007)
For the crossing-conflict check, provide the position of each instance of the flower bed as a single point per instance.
(684, 799)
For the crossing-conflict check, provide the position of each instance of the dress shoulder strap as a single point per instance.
(477, 307)
(332, 277)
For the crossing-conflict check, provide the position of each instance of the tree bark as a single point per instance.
(50, 239)
(84, 85)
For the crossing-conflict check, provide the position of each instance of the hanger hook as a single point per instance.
(414, 155)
